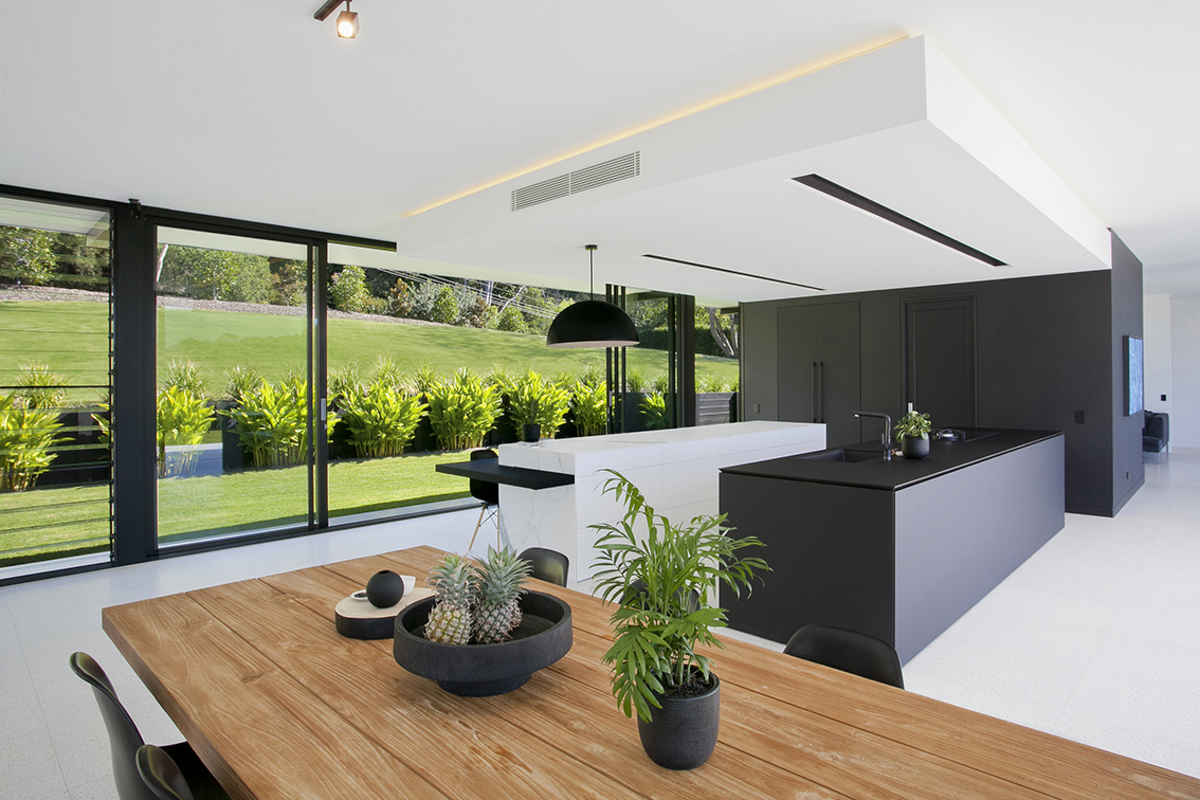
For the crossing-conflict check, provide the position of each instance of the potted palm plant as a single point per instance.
(663, 578)
(912, 431)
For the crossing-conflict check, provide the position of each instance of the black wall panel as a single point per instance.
(1047, 348)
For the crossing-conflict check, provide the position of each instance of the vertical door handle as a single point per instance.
(821, 391)
(816, 397)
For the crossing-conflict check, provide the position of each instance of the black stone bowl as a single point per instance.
(482, 670)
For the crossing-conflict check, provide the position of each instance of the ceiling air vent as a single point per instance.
(606, 172)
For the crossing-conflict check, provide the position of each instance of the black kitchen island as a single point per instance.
(898, 549)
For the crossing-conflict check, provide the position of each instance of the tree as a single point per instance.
(724, 331)
(27, 255)
(349, 290)
(216, 274)
(512, 320)
(445, 306)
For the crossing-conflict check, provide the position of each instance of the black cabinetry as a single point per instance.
(819, 368)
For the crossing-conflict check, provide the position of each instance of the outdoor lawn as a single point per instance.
(73, 520)
(218, 341)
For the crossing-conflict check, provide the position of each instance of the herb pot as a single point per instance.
(683, 733)
(531, 432)
(914, 446)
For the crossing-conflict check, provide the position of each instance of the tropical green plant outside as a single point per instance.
(589, 404)
(662, 579)
(462, 410)
(533, 400)
(39, 387)
(653, 407)
(183, 418)
(381, 421)
(272, 423)
(26, 438)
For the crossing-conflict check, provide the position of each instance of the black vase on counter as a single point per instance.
(531, 432)
(914, 446)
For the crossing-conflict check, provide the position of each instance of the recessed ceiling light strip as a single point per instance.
(732, 272)
(895, 217)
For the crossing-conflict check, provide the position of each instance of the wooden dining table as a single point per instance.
(280, 706)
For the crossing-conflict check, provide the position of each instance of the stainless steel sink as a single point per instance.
(847, 456)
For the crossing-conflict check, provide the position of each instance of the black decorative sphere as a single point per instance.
(385, 589)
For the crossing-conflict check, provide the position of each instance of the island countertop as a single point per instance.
(899, 473)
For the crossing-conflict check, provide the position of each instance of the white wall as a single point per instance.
(1185, 370)
(1156, 327)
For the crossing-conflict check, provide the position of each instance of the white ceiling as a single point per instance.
(251, 109)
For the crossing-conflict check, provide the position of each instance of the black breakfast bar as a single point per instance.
(898, 549)
(489, 469)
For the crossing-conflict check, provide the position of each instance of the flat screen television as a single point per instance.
(1134, 372)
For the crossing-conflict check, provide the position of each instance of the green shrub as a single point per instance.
(242, 381)
(381, 420)
(710, 383)
(589, 404)
(424, 379)
(445, 306)
(375, 305)
(400, 299)
(183, 418)
(660, 383)
(654, 409)
(593, 373)
(532, 399)
(388, 372)
(345, 381)
(511, 319)
(39, 387)
(186, 376)
(479, 314)
(634, 382)
(349, 289)
(26, 436)
(462, 410)
(272, 423)
(27, 255)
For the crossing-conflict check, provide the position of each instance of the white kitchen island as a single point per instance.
(677, 470)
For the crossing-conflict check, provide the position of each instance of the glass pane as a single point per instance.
(55, 320)
(717, 347)
(232, 402)
(396, 336)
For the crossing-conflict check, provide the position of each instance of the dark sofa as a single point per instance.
(1156, 433)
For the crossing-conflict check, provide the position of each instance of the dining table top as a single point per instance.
(279, 705)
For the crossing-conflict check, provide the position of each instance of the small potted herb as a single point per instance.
(663, 575)
(912, 432)
(531, 431)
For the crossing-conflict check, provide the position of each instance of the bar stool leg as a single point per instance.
(482, 511)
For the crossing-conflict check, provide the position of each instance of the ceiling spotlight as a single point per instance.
(347, 21)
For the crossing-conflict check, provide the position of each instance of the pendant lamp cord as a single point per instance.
(591, 248)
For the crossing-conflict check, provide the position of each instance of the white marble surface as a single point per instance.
(677, 470)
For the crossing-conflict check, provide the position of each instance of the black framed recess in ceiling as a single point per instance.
(839, 192)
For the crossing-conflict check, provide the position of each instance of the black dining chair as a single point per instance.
(161, 774)
(848, 651)
(489, 493)
(124, 741)
(550, 566)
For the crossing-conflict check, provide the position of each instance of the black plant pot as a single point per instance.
(914, 446)
(531, 432)
(683, 733)
(482, 670)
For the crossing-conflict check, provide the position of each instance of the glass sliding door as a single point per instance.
(55, 388)
(233, 392)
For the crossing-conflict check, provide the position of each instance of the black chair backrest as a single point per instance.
(550, 566)
(123, 736)
(161, 774)
(849, 651)
(487, 491)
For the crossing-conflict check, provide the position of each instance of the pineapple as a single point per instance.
(498, 612)
(453, 582)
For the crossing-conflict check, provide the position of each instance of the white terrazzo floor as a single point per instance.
(1096, 638)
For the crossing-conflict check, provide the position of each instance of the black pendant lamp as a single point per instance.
(592, 323)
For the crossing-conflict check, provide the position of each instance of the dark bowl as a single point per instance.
(481, 670)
